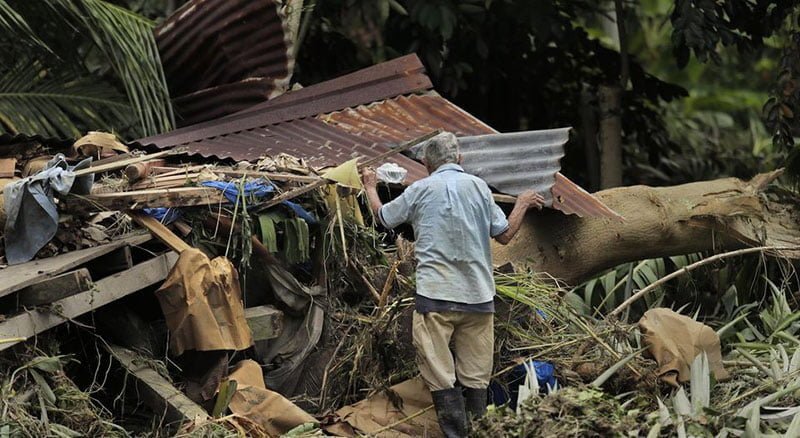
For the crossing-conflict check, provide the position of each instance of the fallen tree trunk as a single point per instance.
(706, 216)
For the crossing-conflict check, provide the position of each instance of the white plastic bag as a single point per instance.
(391, 173)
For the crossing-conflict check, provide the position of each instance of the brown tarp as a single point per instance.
(373, 414)
(271, 410)
(674, 340)
(202, 303)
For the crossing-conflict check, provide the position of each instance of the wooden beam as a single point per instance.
(268, 175)
(156, 391)
(136, 200)
(266, 322)
(32, 322)
(56, 288)
(504, 199)
(160, 231)
(116, 165)
(19, 276)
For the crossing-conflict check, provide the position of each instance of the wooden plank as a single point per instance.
(113, 159)
(116, 165)
(16, 277)
(32, 322)
(155, 390)
(7, 167)
(138, 199)
(266, 322)
(56, 288)
(504, 199)
(160, 231)
(268, 175)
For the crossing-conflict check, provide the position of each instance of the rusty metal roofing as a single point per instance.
(392, 78)
(216, 102)
(360, 114)
(225, 50)
(407, 117)
(517, 161)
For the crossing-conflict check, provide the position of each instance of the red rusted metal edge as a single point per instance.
(570, 198)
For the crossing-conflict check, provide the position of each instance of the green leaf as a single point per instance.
(33, 100)
(127, 42)
(48, 364)
(46, 392)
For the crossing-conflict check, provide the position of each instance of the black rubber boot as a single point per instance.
(450, 412)
(476, 402)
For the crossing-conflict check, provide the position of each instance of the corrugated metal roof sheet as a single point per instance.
(360, 114)
(216, 102)
(518, 161)
(392, 78)
(210, 46)
(404, 118)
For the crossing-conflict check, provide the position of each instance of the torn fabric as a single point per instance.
(32, 216)
(674, 340)
(269, 409)
(375, 413)
(202, 303)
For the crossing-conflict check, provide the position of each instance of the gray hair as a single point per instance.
(441, 149)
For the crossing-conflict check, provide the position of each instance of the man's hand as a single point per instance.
(529, 198)
(368, 177)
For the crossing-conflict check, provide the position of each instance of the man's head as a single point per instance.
(440, 150)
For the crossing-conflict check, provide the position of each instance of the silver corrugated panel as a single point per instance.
(516, 161)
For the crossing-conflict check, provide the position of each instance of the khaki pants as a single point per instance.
(473, 339)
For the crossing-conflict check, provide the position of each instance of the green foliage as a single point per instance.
(701, 26)
(75, 65)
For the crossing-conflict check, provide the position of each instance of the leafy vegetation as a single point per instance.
(76, 65)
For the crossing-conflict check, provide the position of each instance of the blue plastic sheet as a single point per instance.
(163, 214)
(256, 191)
(545, 375)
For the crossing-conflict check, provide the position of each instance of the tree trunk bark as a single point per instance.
(589, 134)
(610, 103)
(705, 216)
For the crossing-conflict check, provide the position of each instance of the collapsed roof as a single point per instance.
(361, 114)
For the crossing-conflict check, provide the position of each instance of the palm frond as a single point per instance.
(34, 100)
(94, 38)
(127, 41)
(13, 24)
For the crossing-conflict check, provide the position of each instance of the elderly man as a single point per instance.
(454, 217)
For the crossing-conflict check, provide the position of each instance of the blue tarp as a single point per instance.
(544, 375)
(163, 214)
(256, 191)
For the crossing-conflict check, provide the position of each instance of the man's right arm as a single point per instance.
(524, 201)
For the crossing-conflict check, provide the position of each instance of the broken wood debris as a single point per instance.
(35, 321)
(56, 288)
(156, 391)
(136, 200)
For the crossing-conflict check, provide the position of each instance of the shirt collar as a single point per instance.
(448, 166)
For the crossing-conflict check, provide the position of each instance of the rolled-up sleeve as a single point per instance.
(499, 221)
(396, 212)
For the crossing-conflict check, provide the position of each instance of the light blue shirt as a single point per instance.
(454, 218)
